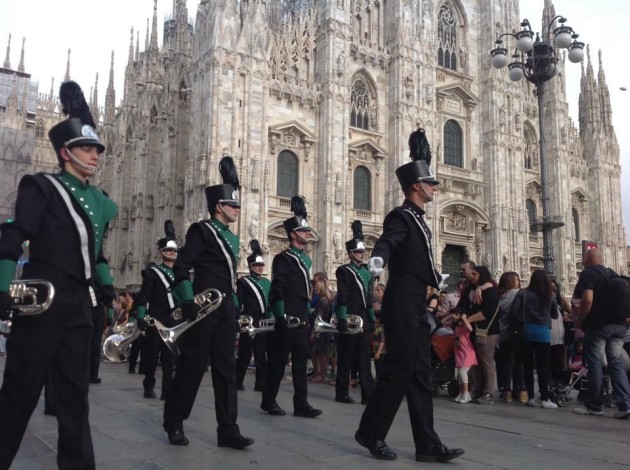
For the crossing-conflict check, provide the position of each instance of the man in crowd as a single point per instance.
(290, 295)
(603, 338)
(405, 246)
(211, 249)
(65, 218)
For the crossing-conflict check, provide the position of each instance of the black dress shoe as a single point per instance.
(273, 409)
(307, 412)
(95, 380)
(376, 447)
(149, 393)
(438, 453)
(237, 441)
(176, 436)
(346, 399)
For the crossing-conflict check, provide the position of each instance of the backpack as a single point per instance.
(616, 299)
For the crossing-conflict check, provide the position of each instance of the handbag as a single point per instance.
(482, 333)
(520, 327)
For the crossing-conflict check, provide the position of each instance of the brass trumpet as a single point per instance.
(355, 325)
(25, 292)
(118, 346)
(246, 324)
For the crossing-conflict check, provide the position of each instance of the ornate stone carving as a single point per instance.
(252, 230)
(125, 218)
(338, 196)
(179, 194)
(337, 244)
(255, 181)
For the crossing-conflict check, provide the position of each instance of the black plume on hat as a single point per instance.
(419, 148)
(257, 253)
(169, 231)
(73, 103)
(228, 172)
(356, 243)
(298, 206)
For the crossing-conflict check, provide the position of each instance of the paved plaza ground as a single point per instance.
(127, 433)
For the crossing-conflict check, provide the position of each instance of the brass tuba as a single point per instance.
(355, 325)
(265, 325)
(25, 293)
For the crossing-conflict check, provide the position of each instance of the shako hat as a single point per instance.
(257, 255)
(298, 221)
(356, 244)
(79, 128)
(169, 241)
(226, 193)
(418, 170)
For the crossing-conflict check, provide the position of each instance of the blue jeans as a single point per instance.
(606, 342)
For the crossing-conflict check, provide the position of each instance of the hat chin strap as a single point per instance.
(429, 196)
(76, 162)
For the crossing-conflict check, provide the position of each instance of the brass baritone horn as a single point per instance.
(26, 292)
(25, 295)
(117, 347)
(209, 300)
(246, 324)
(355, 325)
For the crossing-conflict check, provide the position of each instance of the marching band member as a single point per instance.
(354, 297)
(157, 283)
(290, 295)
(405, 246)
(211, 249)
(253, 295)
(65, 218)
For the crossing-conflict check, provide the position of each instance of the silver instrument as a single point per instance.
(246, 324)
(118, 346)
(355, 325)
(24, 293)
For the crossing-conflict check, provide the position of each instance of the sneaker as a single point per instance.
(548, 405)
(531, 402)
(466, 398)
(485, 399)
(582, 410)
(522, 396)
(507, 396)
(457, 398)
(625, 414)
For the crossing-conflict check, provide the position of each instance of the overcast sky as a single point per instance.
(92, 29)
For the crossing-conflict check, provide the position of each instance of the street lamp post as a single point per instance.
(537, 62)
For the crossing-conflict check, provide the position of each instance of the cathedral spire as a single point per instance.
(130, 59)
(21, 64)
(604, 99)
(146, 37)
(154, 44)
(25, 97)
(52, 88)
(110, 96)
(137, 45)
(7, 61)
(67, 76)
(94, 102)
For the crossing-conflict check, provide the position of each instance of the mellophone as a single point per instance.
(117, 346)
(246, 325)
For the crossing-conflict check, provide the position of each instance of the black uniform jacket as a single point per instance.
(351, 293)
(405, 247)
(155, 294)
(254, 301)
(290, 284)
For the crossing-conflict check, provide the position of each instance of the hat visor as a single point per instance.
(231, 203)
(100, 148)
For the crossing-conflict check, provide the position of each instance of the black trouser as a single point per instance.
(349, 346)
(257, 345)
(406, 371)
(98, 320)
(281, 343)
(134, 353)
(213, 338)
(152, 348)
(38, 345)
(511, 365)
(529, 350)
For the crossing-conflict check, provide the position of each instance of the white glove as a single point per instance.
(375, 265)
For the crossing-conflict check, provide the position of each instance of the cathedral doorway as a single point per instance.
(452, 257)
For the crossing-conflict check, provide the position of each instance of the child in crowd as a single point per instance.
(465, 357)
(576, 362)
(378, 346)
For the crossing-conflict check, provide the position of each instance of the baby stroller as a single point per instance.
(443, 365)
(561, 394)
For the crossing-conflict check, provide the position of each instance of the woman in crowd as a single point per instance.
(484, 316)
(559, 327)
(321, 343)
(536, 306)
(511, 370)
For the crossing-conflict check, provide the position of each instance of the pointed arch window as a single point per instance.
(453, 149)
(447, 38)
(40, 131)
(362, 189)
(530, 206)
(575, 216)
(360, 105)
(531, 150)
(287, 182)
